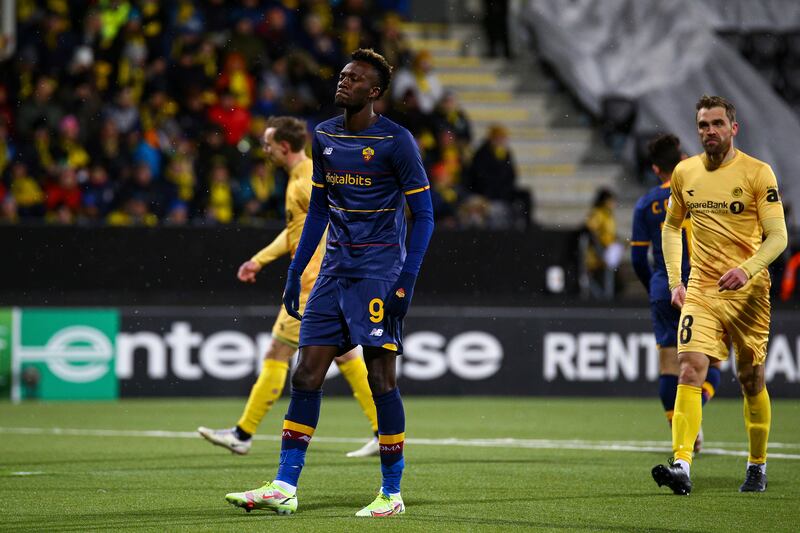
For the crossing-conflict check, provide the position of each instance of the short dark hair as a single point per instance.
(665, 151)
(602, 196)
(379, 63)
(707, 102)
(289, 129)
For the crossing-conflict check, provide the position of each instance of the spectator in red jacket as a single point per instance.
(234, 120)
(64, 192)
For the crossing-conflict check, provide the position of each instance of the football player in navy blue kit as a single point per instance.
(367, 169)
(648, 218)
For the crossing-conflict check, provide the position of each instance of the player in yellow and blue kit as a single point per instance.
(648, 217)
(738, 229)
(367, 169)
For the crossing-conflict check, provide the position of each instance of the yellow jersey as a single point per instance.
(727, 207)
(298, 196)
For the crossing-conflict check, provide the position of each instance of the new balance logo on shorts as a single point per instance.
(376, 332)
(327, 151)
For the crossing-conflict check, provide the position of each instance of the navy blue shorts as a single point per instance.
(665, 322)
(345, 312)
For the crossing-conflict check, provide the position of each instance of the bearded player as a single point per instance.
(738, 230)
(648, 218)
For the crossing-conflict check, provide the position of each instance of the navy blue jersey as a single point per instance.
(366, 176)
(648, 217)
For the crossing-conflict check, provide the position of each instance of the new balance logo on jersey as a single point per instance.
(376, 332)
(691, 192)
(328, 150)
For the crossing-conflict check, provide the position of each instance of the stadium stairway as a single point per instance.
(559, 154)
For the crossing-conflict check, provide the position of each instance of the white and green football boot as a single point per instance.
(383, 505)
(270, 497)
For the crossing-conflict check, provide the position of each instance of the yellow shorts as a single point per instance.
(287, 329)
(710, 325)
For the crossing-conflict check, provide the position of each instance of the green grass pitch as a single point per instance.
(573, 465)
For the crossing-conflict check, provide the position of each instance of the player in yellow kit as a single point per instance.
(284, 142)
(738, 229)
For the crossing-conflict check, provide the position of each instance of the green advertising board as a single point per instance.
(5, 352)
(62, 354)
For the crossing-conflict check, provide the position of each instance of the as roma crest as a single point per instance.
(367, 153)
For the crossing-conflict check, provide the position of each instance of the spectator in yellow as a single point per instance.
(421, 80)
(135, 212)
(26, 191)
(603, 252)
(75, 155)
(220, 195)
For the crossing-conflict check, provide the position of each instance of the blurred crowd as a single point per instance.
(144, 112)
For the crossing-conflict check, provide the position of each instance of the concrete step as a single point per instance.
(536, 133)
(533, 102)
(550, 151)
(563, 217)
(481, 68)
(427, 30)
(444, 46)
(506, 115)
(528, 109)
(552, 140)
(563, 201)
(568, 174)
(463, 78)
(468, 63)
(479, 82)
(469, 96)
(585, 149)
(549, 119)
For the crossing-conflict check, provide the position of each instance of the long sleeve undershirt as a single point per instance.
(774, 243)
(277, 248)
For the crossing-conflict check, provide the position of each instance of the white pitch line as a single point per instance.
(539, 444)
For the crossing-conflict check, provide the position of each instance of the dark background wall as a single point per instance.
(482, 320)
(51, 265)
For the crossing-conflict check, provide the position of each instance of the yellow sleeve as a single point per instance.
(303, 195)
(774, 243)
(278, 247)
(671, 234)
(768, 199)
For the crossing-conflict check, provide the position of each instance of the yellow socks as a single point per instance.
(686, 421)
(355, 372)
(266, 390)
(757, 419)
